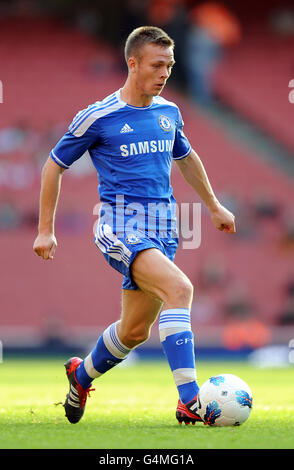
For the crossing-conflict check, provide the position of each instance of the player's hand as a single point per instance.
(223, 219)
(45, 246)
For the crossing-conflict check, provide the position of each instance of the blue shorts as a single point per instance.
(120, 252)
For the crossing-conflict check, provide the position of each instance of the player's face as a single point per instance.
(152, 69)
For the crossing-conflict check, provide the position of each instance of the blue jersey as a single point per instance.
(132, 149)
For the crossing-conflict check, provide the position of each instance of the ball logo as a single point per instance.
(213, 412)
(217, 380)
(243, 398)
(165, 123)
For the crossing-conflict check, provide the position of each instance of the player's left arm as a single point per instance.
(195, 174)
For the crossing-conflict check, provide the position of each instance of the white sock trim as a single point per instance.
(113, 344)
(184, 376)
(89, 368)
(163, 333)
(174, 318)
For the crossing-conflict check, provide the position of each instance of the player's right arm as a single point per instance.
(82, 133)
(46, 243)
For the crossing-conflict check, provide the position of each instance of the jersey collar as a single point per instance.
(118, 96)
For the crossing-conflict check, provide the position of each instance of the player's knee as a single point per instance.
(181, 292)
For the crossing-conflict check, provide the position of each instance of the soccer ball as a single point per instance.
(224, 400)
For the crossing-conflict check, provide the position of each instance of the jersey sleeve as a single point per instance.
(73, 145)
(182, 146)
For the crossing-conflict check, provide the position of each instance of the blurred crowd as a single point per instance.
(202, 32)
(221, 297)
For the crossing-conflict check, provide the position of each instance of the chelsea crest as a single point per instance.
(165, 123)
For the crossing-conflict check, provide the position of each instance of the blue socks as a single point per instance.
(107, 353)
(177, 341)
(178, 344)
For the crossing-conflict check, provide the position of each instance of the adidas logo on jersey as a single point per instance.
(126, 128)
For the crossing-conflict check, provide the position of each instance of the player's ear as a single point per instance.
(132, 63)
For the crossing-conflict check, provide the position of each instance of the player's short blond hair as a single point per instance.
(146, 35)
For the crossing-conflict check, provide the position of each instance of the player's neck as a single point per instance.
(131, 95)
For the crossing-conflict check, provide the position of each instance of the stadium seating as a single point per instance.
(61, 72)
(254, 79)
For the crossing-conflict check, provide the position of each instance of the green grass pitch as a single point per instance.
(134, 408)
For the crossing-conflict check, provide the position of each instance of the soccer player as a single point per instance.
(132, 136)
